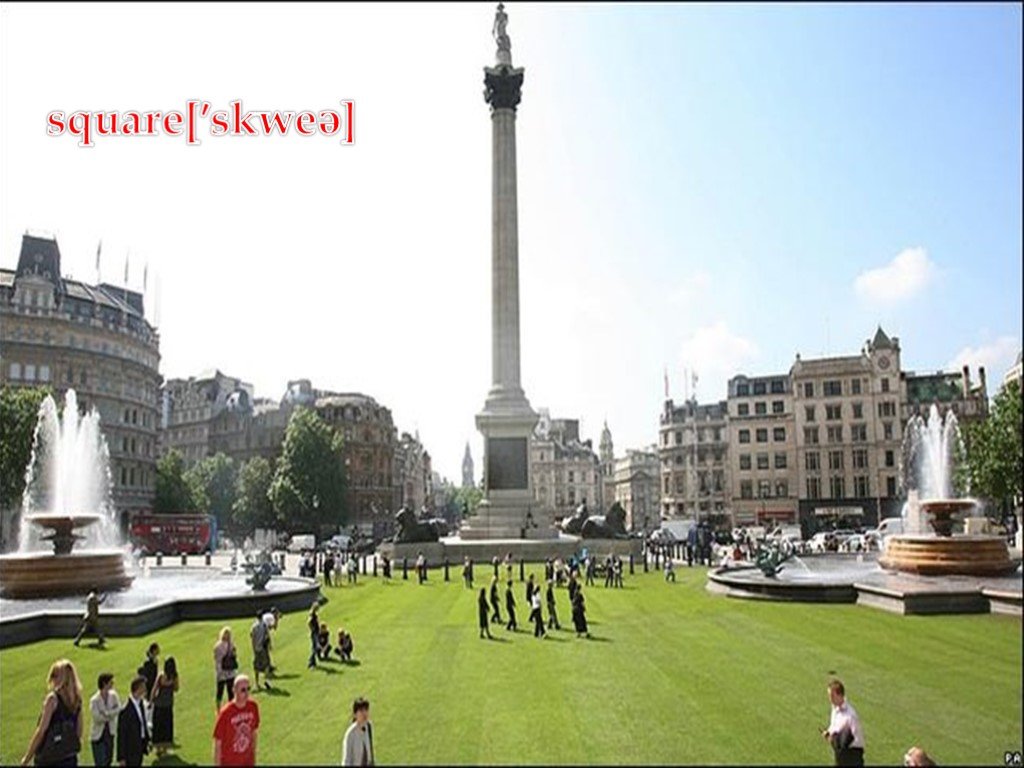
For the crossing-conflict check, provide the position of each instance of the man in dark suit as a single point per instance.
(132, 733)
(510, 606)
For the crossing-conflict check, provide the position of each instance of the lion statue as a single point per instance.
(413, 531)
(610, 526)
(574, 523)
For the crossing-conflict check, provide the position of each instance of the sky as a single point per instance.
(702, 188)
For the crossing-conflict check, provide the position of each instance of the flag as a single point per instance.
(126, 269)
(145, 276)
(666, 382)
(695, 384)
(99, 248)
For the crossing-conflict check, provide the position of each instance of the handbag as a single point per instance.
(60, 742)
(230, 661)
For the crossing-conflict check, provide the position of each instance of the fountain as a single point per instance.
(930, 451)
(66, 490)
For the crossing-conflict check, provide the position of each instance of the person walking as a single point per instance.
(483, 613)
(357, 744)
(328, 569)
(353, 570)
(495, 562)
(385, 567)
(495, 602)
(237, 727)
(421, 567)
(467, 572)
(259, 634)
(163, 707)
(91, 619)
(552, 615)
(618, 565)
(104, 707)
(670, 571)
(579, 614)
(529, 590)
(57, 738)
(536, 615)
(844, 732)
(132, 730)
(225, 664)
(510, 606)
(591, 570)
(313, 625)
(573, 587)
(150, 668)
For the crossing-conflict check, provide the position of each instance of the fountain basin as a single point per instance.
(41, 574)
(941, 512)
(947, 555)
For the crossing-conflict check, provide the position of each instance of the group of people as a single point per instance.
(489, 607)
(320, 639)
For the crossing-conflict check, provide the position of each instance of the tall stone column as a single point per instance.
(508, 510)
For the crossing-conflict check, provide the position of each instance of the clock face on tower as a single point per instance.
(883, 363)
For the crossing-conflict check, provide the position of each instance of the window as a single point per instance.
(833, 388)
(761, 408)
(813, 487)
(679, 483)
(812, 461)
(890, 486)
(811, 435)
(887, 430)
(762, 461)
(782, 489)
(124, 476)
(835, 460)
(742, 390)
(809, 412)
(860, 487)
(15, 371)
(778, 386)
(778, 406)
(833, 412)
(700, 435)
(743, 409)
(855, 386)
(808, 389)
(764, 489)
(744, 435)
(860, 459)
(744, 461)
(760, 388)
(887, 408)
(780, 461)
(858, 410)
(44, 373)
(885, 385)
(859, 433)
(679, 458)
(835, 434)
(779, 434)
(890, 459)
(837, 487)
(30, 372)
(679, 438)
(762, 435)
(666, 486)
(572, 476)
(746, 489)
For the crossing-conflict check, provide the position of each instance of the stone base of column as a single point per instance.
(508, 519)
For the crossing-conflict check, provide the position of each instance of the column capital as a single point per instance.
(503, 86)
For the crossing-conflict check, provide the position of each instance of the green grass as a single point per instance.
(673, 675)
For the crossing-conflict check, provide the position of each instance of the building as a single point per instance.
(190, 405)
(636, 486)
(65, 333)
(763, 485)
(467, 469)
(413, 473)
(693, 448)
(848, 435)
(565, 469)
(949, 390)
(1015, 372)
(245, 431)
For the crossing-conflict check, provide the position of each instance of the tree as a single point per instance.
(174, 494)
(252, 508)
(214, 481)
(468, 499)
(995, 457)
(308, 489)
(19, 412)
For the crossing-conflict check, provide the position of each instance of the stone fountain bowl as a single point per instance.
(942, 511)
(50, 520)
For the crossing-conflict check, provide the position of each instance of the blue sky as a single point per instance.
(701, 187)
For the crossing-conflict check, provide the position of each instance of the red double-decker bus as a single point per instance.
(173, 534)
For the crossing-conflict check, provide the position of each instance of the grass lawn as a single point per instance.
(672, 675)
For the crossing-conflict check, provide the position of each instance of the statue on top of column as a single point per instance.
(504, 54)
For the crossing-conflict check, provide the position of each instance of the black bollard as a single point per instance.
(522, 570)
(630, 563)
(184, 558)
(405, 568)
(645, 561)
(657, 560)
(446, 569)
(208, 557)
(362, 565)
(159, 558)
(375, 566)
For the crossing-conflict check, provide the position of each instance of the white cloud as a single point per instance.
(715, 353)
(902, 278)
(997, 356)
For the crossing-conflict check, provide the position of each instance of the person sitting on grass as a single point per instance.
(323, 642)
(345, 645)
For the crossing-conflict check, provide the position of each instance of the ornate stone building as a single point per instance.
(762, 460)
(636, 485)
(413, 473)
(64, 333)
(694, 448)
(946, 389)
(189, 407)
(565, 469)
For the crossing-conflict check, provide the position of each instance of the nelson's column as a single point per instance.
(507, 420)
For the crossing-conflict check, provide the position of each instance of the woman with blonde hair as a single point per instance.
(58, 736)
(225, 662)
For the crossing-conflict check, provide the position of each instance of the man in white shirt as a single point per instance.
(105, 707)
(844, 731)
(357, 745)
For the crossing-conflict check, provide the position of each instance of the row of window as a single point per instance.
(30, 372)
(761, 435)
(760, 408)
(763, 461)
(812, 460)
(837, 487)
(834, 387)
(764, 489)
(834, 433)
(776, 387)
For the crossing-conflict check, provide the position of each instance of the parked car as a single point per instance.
(823, 541)
(854, 543)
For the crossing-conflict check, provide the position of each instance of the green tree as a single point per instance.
(468, 499)
(174, 494)
(19, 412)
(252, 508)
(994, 465)
(214, 482)
(308, 489)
